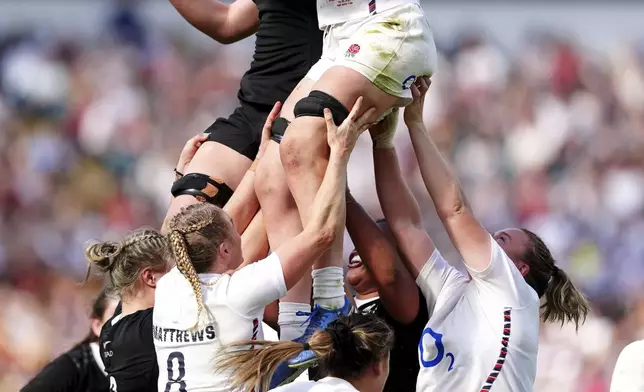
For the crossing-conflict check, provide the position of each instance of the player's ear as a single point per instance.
(225, 250)
(96, 325)
(150, 278)
(523, 267)
(381, 367)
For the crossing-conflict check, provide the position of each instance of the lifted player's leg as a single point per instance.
(304, 154)
(378, 59)
(220, 163)
(283, 222)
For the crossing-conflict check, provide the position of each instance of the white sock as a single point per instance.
(291, 325)
(328, 287)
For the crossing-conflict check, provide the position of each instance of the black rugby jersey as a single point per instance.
(74, 371)
(288, 42)
(403, 360)
(128, 352)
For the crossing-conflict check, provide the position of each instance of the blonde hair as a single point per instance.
(564, 302)
(123, 261)
(196, 233)
(345, 349)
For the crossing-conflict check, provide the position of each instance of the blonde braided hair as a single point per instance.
(123, 261)
(195, 235)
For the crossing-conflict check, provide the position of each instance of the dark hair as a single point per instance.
(345, 349)
(564, 302)
(98, 308)
(123, 261)
(196, 233)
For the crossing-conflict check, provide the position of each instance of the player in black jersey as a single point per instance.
(387, 289)
(133, 267)
(288, 42)
(81, 368)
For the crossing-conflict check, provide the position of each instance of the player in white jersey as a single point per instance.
(628, 375)
(483, 328)
(372, 48)
(199, 307)
(353, 350)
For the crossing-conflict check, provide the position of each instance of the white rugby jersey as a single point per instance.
(483, 331)
(327, 384)
(236, 306)
(331, 12)
(628, 375)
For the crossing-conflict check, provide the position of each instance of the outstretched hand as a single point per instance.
(414, 111)
(266, 130)
(342, 139)
(382, 133)
(189, 151)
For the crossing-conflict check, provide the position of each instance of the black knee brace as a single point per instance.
(203, 188)
(279, 128)
(316, 102)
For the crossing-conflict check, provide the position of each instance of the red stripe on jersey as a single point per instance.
(505, 340)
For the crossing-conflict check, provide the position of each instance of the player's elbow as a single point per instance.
(321, 238)
(388, 280)
(453, 205)
(226, 39)
(223, 34)
(326, 236)
(220, 29)
(231, 31)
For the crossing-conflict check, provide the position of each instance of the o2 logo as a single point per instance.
(406, 85)
(440, 350)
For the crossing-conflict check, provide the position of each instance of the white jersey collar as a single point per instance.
(97, 356)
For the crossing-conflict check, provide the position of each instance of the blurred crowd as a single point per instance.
(550, 137)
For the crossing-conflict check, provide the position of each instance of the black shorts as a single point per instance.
(287, 43)
(242, 130)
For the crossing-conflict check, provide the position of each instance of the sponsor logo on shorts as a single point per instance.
(408, 82)
(352, 51)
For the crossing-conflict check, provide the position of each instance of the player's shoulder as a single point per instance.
(633, 350)
(80, 355)
(120, 326)
(140, 316)
(628, 374)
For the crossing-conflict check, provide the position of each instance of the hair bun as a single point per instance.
(346, 343)
(103, 254)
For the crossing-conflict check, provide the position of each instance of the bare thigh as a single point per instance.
(217, 161)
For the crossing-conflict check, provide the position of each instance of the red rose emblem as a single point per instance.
(353, 49)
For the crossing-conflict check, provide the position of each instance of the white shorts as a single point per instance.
(391, 49)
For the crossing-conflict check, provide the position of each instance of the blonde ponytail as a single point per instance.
(344, 349)
(196, 233)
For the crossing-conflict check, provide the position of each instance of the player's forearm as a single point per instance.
(254, 241)
(326, 223)
(396, 200)
(243, 204)
(328, 210)
(441, 183)
(375, 250)
(225, 23)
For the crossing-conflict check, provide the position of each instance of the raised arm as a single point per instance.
(225, 23)
(396, 287)
(243, 204)
(398, 204)
(329, 206)
(468, 236)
